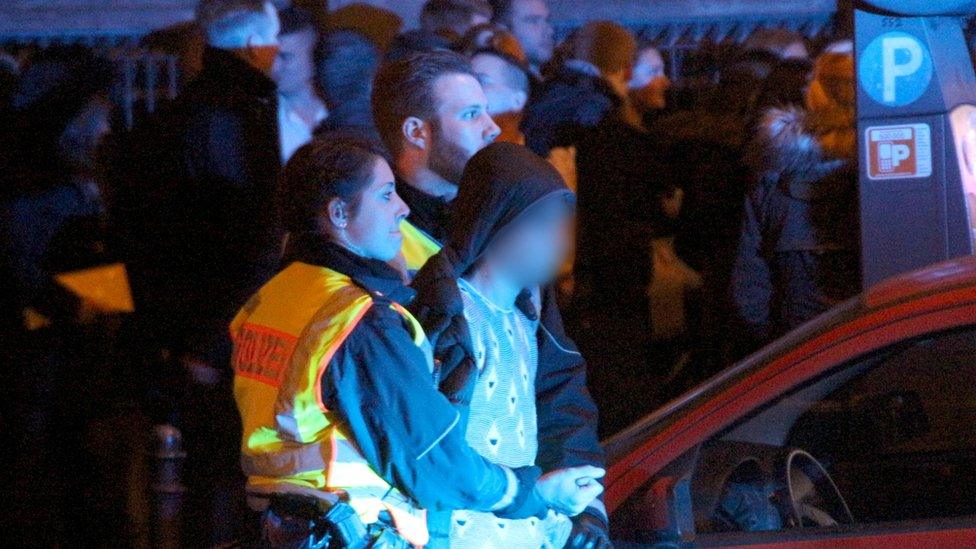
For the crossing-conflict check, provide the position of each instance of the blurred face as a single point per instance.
(537, 245)
(374, 230)
(501, 97)
(293, 67)
(462, 126)
(649, 84)
(529, 23)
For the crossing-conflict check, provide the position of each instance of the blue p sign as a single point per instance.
(895, 69)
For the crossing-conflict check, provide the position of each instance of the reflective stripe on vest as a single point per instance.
(284, 339)
(417, 247)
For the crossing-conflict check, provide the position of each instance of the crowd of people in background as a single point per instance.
(714, 213)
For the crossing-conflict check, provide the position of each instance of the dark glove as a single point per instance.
(439, 308)
(590, 531)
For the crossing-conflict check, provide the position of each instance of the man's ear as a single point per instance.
(519, 99)
(416, 132)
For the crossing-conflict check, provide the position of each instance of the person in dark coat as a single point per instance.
(62, 385)
(587, 87)
(505, 187)
(799, 251)
(196, 205)
(622, 191)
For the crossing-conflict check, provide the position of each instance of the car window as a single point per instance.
(888, 437)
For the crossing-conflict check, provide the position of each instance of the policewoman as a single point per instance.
(346, 438)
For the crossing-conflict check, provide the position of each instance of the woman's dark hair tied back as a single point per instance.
(330, 166)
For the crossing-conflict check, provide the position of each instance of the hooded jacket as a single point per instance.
(500, 184)
(798, 251)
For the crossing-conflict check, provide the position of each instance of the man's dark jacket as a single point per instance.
(197, 204)
(500, 183)
(565, 108)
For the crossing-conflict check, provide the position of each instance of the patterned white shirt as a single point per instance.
(502, 421)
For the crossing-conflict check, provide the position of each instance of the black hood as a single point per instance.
(499, 184)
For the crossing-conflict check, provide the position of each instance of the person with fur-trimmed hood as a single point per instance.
(799, 249)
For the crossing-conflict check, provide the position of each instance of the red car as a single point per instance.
(856, 430)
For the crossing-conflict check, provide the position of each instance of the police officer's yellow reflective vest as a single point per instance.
(417, 246)
(284, 339)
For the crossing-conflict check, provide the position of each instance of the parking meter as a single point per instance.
(916, 111)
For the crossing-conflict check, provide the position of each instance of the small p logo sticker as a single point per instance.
(895, 69)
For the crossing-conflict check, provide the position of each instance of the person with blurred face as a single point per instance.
(483, 301)
(506, 86)
(334, 380)
(648, 82)
(432, 113)
(300, 109)
(528, 20)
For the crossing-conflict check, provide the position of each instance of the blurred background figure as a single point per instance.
(649, 83)
(506, 84)
(345, 66)
(300, 109)
(67, 404)
(490, 36)
(528, 21)
(783, 43)
(200, 234)
(187, 41)
(380, 25)
(453, 18)
(9, 76)
(588, 86)
(416, 41)
(799, 251)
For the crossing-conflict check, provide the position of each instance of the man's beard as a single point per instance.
(447, 159)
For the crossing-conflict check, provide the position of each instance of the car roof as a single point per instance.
(936, 279)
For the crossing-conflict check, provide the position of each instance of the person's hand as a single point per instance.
(590, 531)
(570, 490)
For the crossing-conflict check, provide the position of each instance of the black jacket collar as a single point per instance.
(428, 213)
(376, 277)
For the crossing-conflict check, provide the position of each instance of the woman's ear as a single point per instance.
(415, 132)
(338, 213)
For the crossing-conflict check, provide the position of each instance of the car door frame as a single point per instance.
(876, 328)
